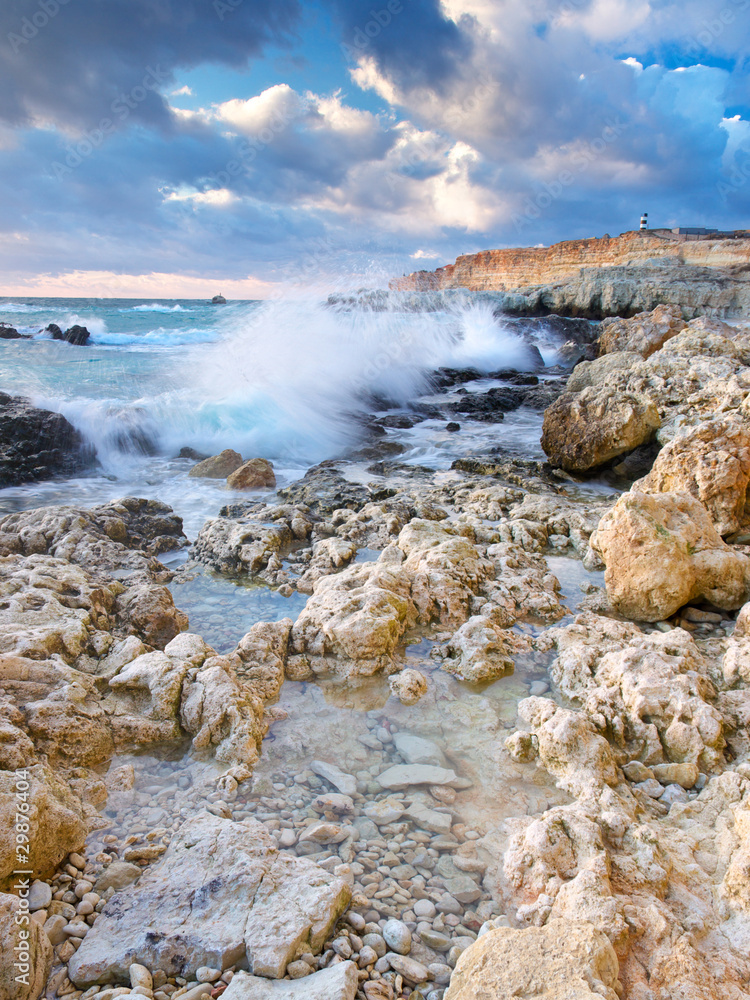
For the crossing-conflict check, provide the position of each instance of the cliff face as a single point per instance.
(601, 277)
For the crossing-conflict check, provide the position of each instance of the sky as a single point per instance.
(180, 148)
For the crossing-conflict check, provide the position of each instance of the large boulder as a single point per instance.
(37, 444)
(644, 334)
(25, 952)
(661, 551)
(582, 431)
(711, 462)
(221, 895)
(601, 370)
(217, 466)
(564, 960)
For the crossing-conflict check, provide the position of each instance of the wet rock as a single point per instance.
(255, 474)
(25, 953)
(324, 833)
(564, 958)
(38, 444)
(8, 332)
(661, 551)
(418, 750)
(270, 904)
(77, 335)
(645, 333)
(345, 783)
(384, 811)
(480, 651)
(583, 431)
(711, 462)
(218, 466)
(408, 686)
(401, 776)
(338, 982)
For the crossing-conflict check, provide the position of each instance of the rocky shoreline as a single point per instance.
(471, 766)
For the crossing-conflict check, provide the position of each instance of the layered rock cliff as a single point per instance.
(612, 276)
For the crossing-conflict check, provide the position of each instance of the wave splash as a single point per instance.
(288, 379)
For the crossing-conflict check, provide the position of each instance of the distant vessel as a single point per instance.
(218, 300)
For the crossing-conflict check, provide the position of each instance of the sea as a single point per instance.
(289, 379)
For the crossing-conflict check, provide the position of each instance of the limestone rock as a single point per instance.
(221, 894)
(345, 783)
(337, 982)
(566, 960)
(27, 979)
(152, 614)
(644, 333)
(584, 430)
(217, 466)
(408, 686)
(255, 474)
(401, 776)
(661, 552)
(480, 651)
(651, 694)
(711, 462)
(600, 371)
(417, 750)
(262, 653)
(56, 822)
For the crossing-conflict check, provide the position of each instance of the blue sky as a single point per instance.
(175, 147)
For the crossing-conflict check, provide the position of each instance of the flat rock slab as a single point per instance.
(339, 982)
(222, 894)
(403, 775)
(343, 782)
(417, 750)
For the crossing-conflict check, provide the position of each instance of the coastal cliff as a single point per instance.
(610, 276)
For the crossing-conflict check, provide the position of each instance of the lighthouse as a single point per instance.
(644, 220)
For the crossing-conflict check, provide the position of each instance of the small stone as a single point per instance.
(425, 908)
(650, 787)
(384, 811)
(77, 930)
(117, 876)
(407, 967)
(255, 474)
(55, 929)
(397, 936)
(345, 783)
(401, 776)
(288, 838)
(40, 896)
(378, 989)
(342, 947)
(538, 688)
(367, 956)
(417, 750)
(634, 770)
(435, 940)
(356, 920)
(440, 973)
(298, 970)
(334, 802)
(376, 942)
(205, 974)
(672, 794)
(684, 774)
(140, 976)
(323, 833)
(82, 888)
(77, 860)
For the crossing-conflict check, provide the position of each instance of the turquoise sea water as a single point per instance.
(282, 379)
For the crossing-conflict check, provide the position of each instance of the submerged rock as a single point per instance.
(37, 444)
(584, 430)
(661, 551)
(480, 651)
(222, 894)
(565, 959)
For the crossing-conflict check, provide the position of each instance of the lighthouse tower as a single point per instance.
(644, 220)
